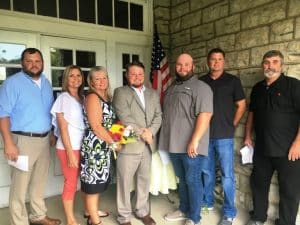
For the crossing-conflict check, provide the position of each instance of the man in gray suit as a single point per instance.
(139, 107)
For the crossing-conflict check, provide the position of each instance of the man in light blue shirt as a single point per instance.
(25, 123)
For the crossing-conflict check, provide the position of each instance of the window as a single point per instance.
(121, 14)
(68, 9)
(46, 8)
(127, 58)
(117, 13)
(105, 12)
(60, 58)
(10, 59)
(136, 17)
(5, 4)
(24, 6)
(87, 11)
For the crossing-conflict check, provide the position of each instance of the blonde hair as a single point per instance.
(90, 77)
(65, 78)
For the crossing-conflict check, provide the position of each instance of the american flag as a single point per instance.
(160, 72)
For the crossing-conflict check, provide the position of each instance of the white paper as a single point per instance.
(21, 163)
(247, 154)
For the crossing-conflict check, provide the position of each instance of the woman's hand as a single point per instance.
(72, 160)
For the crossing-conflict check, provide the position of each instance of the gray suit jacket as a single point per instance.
(130, 111)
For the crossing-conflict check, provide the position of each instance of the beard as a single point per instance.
(181, 77)
(271, 73)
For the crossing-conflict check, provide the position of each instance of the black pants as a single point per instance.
(289, 187)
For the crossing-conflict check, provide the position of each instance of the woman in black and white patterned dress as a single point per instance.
(99, 116)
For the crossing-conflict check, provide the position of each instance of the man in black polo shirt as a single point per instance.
(229, 107)
(274, 113)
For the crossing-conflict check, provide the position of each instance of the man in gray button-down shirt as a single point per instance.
(187, 110)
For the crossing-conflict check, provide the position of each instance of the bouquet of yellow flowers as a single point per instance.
(122, 135)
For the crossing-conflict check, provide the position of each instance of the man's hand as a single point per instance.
(52, 139)
(294, 152)
(11, 152)
(248, 141)
(192, 149)
(147, 136)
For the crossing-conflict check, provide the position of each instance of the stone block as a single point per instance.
(201, 66)
(253, 37)
(243, 58)
(273, 211)
(240, 131)
(241, 5)
(251, 76)
(238, 144)
(292, 70)
(180, 10)
(176, 2)
(181, 38)
(215, 12)
(175, 53)
(294, 8)
(165, 3)
(203, 32)
(282, 31)
(231, 60)
(258, 52)
(225, 42)
(200, 4)
(264, 15)
(244, 184)
(165, 40)
(196, 49)
(293, 52)
(175, 25)
(297, 29)
(162, 13)
(274, 194)
(191, 20)
(162, 27)
(233, 72)
(228, 25)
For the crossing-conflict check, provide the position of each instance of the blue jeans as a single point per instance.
(190, 190)
(221, 150)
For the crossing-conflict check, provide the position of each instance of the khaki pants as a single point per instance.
(33, 181)
(130, 166)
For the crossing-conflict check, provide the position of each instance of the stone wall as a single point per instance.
(245, 30)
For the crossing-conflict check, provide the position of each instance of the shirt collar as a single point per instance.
(139, 90)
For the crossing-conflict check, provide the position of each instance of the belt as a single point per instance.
(29, 134)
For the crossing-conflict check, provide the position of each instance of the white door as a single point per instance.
(58, 53)
(11, 46)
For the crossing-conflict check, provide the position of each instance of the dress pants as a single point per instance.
(130, 167)
(289, 187)
(38, 152)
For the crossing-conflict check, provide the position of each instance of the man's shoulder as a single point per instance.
(122, 89)
(230, 76)
(292, 79)
(204, 77)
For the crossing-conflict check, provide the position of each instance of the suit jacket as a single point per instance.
(130, 111)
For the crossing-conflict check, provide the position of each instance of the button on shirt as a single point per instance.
(27, 105)
(276, 111)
